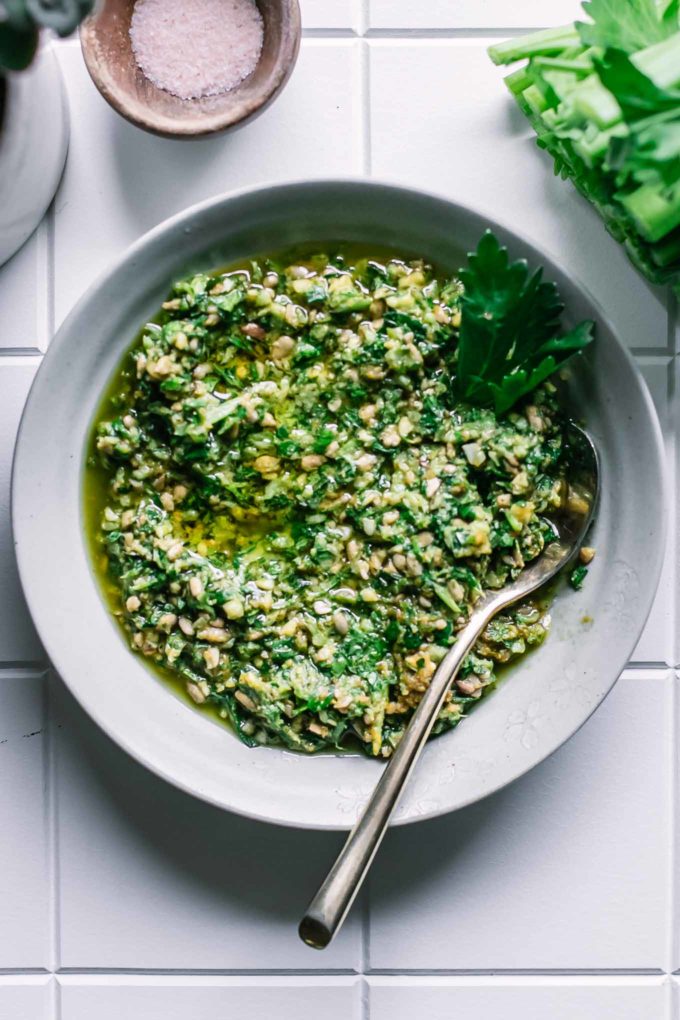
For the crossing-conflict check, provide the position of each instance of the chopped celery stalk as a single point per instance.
(594, 102)
(549, 40)
(619, 143)
(660, 62)
(535, 99)
(666, 251)
(593, 148)
(576, 65)
(517, 81)
(561, 82)
(654, 214)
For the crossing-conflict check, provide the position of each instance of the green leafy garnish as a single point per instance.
(510, 338)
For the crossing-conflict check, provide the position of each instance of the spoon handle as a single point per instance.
(331, 904)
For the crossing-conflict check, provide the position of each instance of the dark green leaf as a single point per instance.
(636, 94)
(17, 46)
(670, 16)
(509, 335)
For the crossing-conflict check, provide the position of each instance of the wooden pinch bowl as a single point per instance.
(107, 49)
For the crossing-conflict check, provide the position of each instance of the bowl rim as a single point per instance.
(185, 216)
(216, 124)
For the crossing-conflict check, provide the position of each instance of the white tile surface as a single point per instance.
(520, 998)
(25, 998)
(330, 15)
(656, 643)
(470, 14)
(24, 889)
(551, 873)
(23, 296)
(209, 998)
(152, 878)
(129, 181)
(571, 868)
(460, 134)
(18, 640)
(674, 510)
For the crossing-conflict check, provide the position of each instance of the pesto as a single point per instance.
(298, 516)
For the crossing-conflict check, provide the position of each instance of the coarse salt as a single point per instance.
(196, 48)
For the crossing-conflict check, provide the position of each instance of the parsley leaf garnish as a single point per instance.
(510, 337)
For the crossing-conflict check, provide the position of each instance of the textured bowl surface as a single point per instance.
(536, 708)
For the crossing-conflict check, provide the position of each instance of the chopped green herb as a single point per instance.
(297, 505)
(577, 577)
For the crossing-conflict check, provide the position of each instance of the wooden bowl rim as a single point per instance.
(206, 124)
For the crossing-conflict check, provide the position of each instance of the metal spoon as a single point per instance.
(332, 902)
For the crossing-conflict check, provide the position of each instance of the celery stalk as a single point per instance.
(518, 80)
(549, 40)
(660, 62)
(580, 123)
(654, 214)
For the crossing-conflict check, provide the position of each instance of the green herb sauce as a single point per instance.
(290, 514)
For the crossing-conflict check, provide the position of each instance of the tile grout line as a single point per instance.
(53, 833)
(502, 972)
(50, 757)
(56, 998)
(672, 540)
(51, 269)
(674, 522)
(364, 999)
(75, 972)
(365, 113)
(672, 319)
(329, 33)
(654, 353)
(14, 972)
(451, 32)
(363, 16)
(252, 972)
(673, 856)
(7, 353)
(365, 929)
(25, 667)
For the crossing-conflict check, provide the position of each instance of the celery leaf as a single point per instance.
(627, 25)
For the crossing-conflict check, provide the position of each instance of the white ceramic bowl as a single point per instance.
(542, 703)
(34, 130)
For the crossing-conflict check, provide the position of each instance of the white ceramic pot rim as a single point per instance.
(34, 132)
